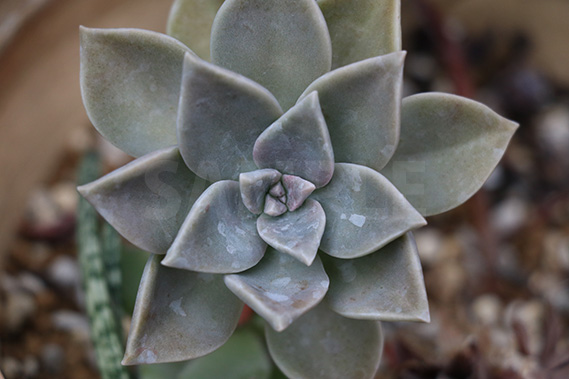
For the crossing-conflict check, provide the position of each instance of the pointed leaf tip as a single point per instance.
(147, 200)
(361, 104)
(298, 143)
(449, 146)
(221, 115)
(282, 44)
(296, 233)
(219, 235)
(386, 285)
(364, 212)
(280, 288)
(130, 83)
(179, 315)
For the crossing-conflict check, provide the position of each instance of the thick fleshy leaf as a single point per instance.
(280, 288)
(362, 29)
(130, 82)
(387, 285)
(179, 315)
(147, 200)
(243, 357)
(274, 207)
(190, 22)
(219, 235)
(323, 345)
(361, 104)
(296, 233)
(278, 191)
(449, 146)
(298, 143)
(297, 190)
(364, 212)
(221, 115)
(282, 44)
(254, 186)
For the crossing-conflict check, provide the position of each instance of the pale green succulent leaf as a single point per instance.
(219, 235)
(361, 29)
(280, 288)
(221, 115)
(147, 200)
(296, 233)
(364, 212)
(298, 143)
(361, 104)
(130, 83)
(179, 315)
(255, 185)
(322, 344)
(386, 285)
(297, 190)
(242, 357)
(282, 44)
(190, 22)
(449, 146)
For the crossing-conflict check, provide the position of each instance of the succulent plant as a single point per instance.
(287, 174)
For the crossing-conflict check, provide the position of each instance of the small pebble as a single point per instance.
(429, 243)
(65, 195)
(31, 283)
(31, 366)
(553, 131)
(487, 309)
(11, 368)
(52, 358)
(72, 322)
(20, 306)
(64, 272)
(509, 215)
(42, 211)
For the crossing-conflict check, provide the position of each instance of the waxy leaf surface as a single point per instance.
(449, 146)
(282, 44)
(254, 186)
(297, 190)
(298, 143)
(361, 104)
(190, 22)
(219, 235)
(386, 285)
(322, 345)
(296, 233)
(147, 200)
(280, 288)
(130, 82)
(364, 212)
(362, 29)
(179, 315)
(221, 116)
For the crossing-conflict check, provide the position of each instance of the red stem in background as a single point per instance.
(453, 59)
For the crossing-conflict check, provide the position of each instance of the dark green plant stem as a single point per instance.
(106, 340)
(112, 253)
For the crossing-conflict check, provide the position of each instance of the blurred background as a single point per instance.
(496, 268)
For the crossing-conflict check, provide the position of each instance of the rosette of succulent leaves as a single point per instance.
(277, 165)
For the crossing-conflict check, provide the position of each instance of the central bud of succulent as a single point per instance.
(270, 192)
